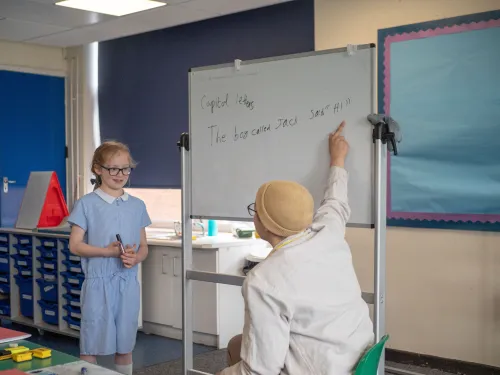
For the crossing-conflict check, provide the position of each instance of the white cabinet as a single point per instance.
(218, 310)
(204, 294)
(162, 289)
(157, 287)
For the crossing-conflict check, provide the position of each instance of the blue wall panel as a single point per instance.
(143, 79)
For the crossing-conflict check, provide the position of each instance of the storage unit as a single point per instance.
(45, 282)
(4, 275)
(37, 279)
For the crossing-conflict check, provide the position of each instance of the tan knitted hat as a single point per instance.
(285, 208)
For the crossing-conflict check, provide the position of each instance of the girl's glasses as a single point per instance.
(115, 171)
(251, 209)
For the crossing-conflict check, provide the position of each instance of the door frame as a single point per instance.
(53, 73)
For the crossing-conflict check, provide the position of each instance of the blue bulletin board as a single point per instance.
(441, 81)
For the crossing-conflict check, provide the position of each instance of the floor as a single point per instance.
(152, 352)
(149, 350)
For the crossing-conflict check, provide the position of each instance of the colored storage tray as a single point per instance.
(73, 278)
(27, 305)
(48, 275)
(71, 257)
(21, 261)
(48, 290)
(48, 264)
(5, 307)
(74, 267)
(24, 250)
(23, 239)
(48, 242)
(74, 289)
(24, 271)
(4, 288)
(4, 264)
(50, 312)
(72, 322)
(4, 247)
(25, 284)
(47, 253)
(73, 311)
(73, 300)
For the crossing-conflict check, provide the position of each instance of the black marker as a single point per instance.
(119, 239)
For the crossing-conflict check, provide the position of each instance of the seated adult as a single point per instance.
(304, 313)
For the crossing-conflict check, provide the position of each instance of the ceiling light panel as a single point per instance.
(112, 7)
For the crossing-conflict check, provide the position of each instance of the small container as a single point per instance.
(212, 228)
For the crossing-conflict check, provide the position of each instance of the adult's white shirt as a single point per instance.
(304, 312)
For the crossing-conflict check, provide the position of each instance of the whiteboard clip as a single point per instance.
(351, 48)
(237, 64)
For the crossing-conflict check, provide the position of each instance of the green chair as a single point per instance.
(368, 365)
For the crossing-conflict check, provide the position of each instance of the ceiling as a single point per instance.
(42, 22)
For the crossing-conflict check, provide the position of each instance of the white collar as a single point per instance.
(109, 198)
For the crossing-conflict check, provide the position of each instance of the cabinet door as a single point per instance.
(157, 286)
(204, 293)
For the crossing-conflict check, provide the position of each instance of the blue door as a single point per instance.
(32, 135)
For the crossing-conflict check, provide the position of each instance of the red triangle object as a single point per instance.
(54, 208)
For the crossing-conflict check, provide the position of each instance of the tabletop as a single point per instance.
(57, 358)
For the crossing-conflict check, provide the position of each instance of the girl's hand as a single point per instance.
(113, 250)
(129, 259)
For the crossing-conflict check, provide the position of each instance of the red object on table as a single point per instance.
(8, 335)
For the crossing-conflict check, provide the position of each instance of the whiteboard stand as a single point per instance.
(378, 298)
(380, 137)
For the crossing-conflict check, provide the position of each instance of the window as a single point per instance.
(165, 206)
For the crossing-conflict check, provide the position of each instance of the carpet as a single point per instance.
(214, 361)
(210, 362)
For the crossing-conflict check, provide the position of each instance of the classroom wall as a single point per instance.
(443, 287)
(32, 58)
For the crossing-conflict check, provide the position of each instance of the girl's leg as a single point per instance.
(123, 363)
(89, 358)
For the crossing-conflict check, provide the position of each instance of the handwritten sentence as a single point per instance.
(218, 136)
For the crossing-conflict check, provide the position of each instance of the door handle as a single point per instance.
(164, 264)
(176, 273)
(6, 183)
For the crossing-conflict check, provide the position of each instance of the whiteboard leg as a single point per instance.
(187, 257)
(380, 239)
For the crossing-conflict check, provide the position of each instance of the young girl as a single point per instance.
(110, 294)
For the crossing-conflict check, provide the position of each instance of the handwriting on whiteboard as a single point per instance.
(219, 135)
(214, 104)
(335, 108)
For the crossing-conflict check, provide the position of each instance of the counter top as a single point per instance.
(163, 237)
(156, 238)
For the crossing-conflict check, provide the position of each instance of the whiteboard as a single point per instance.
(270, 120)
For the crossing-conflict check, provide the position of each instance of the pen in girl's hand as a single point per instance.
(119, 239)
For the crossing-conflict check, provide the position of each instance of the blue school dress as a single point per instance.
(110, 293)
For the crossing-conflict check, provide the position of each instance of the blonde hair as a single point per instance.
(103, 153)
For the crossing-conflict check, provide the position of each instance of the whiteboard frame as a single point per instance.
(281, 58)
(189, 274)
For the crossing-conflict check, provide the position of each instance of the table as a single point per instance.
(57, 358)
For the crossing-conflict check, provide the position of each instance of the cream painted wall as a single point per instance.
(443, 287)
(32, 58)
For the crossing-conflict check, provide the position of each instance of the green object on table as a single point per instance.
(244, 233)
(368, 365)
(57, 358)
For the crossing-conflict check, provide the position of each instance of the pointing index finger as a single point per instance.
(337, 132)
